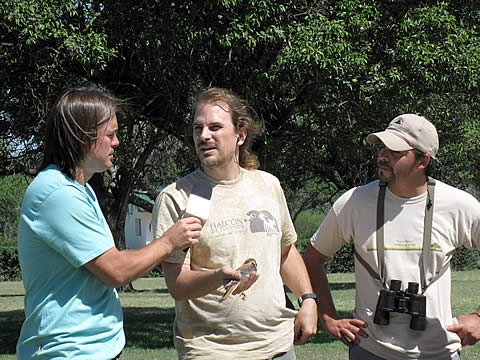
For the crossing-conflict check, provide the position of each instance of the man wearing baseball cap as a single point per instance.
(404, 228)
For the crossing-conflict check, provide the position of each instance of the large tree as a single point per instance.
(319, 74)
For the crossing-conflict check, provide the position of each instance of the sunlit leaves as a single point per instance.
(71, 24)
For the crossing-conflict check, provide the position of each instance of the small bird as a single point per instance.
(249, 266)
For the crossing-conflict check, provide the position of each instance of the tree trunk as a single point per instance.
(114, 204)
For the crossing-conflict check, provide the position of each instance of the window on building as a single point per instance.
(138, 227)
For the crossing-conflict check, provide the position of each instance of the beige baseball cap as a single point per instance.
(407, 132)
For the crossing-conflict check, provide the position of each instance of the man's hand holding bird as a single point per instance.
(241, 279)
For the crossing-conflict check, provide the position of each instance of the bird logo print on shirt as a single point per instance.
(262, 221)
(249, 266)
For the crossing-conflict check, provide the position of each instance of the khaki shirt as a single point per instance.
(248, 218)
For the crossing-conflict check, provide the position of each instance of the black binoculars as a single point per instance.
(396, 300)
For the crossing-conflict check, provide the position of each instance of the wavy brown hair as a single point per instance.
(242, 118)
(72, 126)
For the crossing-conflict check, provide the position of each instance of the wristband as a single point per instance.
(307, 296)
(475, 313)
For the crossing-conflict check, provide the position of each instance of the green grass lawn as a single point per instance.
(149, 313)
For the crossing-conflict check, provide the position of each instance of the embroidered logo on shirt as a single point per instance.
(262, 221)
(398, 122)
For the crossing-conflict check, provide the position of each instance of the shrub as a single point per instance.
(157, 272)
(342, 261)
(9, 264)
(8, 242)
(306, 224)
(466, 259)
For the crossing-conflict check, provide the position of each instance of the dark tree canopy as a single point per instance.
(320, 74)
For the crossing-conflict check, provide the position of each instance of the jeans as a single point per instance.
(289, 355)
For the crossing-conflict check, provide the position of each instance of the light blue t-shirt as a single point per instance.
(70, 314)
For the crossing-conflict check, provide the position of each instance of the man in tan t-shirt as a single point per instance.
(248, 219)
(405, 229)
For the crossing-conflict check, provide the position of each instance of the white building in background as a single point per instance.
(138, 226)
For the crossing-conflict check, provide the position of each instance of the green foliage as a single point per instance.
(465, 259)
(320, 75)
(9, 264)
(461, 155)
(342, 261)
(9, 242)
(12, 189)
(306, 223)
(355, 65)
(155, 273)
(71, 24)
(46, 46)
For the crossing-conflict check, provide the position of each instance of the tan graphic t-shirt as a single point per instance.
(248, 218)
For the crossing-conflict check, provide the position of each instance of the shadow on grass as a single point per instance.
(10, 330)
(151, 328)
(145, 327)
(333, 286)
(150, 291)
(342, 286)
(148, 327)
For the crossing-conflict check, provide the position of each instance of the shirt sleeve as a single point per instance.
(289, 235)
(72, 223)
(469, 222)
(166, 212)
(328, 238)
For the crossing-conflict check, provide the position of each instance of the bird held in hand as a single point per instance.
(249, 266)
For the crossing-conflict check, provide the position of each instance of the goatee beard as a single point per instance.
(384, 178)
(382, 175)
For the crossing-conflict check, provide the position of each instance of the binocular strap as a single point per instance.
(427, 239)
